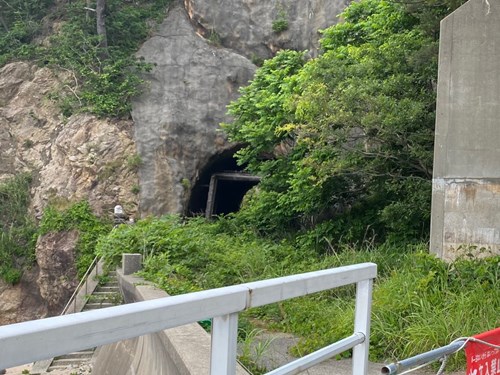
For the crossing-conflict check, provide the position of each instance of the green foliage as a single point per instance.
(344, 142)
(419, 302)
(134, 162)
(103, 82)
(214, 38)
(103, 86)
(176, 250)
(16, 228)
(280, 25)
(78, 216)
(261, 112)
(21, 23)
(252, 349)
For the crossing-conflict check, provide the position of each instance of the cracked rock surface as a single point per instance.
(203, 53)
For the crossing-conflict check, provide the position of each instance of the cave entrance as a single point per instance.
(221, 187)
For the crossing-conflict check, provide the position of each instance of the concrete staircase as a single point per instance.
(106, 294)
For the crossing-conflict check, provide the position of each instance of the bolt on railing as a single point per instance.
(29, 341)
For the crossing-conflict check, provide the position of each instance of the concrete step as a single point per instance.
(98, 305)
(114, 298)
(67, 362)
(108, 290)
(81, 354)
(105, 293)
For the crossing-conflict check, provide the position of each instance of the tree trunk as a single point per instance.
(101, 29)
(2, 20)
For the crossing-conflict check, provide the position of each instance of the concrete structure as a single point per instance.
(229, 188)
(131, 263)
(178, 351)
(35, 340)
(466, 183)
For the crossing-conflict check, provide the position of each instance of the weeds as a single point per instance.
(419, 301)
(78, 216)
(17, 248)
(252, 349)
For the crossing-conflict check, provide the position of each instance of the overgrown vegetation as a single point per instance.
(419, 303)
(101, 83)
(343, 144)
(77, 216)
(19, 232)
(17, 247)
(280, 24)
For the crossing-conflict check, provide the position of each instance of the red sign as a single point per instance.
(483, 359)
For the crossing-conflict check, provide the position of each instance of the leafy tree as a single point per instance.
(21, 23)
(101, 28)
(345, 142)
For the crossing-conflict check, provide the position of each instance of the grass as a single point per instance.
(16, 228)
(419, 301)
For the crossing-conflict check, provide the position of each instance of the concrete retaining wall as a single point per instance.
(466, 183)
(177, 351)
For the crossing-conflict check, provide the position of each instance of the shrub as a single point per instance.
(78, 216)
(419, 301)
(103, 86)
(16, 227)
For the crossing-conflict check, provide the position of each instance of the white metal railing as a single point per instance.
(93, 268)
(38, 339)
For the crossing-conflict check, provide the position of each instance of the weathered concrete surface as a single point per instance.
(182, 350)
(176, 120)
(466, 184)
(131, 263)
(246, 26)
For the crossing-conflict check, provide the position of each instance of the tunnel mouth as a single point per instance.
(221, 186)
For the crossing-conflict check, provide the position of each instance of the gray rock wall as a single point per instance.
(70, 159)
(203, 53)
(246, 26)
(75, 158)
(466, 184)
(176, 120)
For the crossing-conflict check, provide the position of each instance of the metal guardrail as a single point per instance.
(34, 340)
(76, 301)
(94, 266)
(423, 358)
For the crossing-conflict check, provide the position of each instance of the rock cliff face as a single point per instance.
(203, 53)
(71, 159)
(74, 158)
(251, 27)
(46, 287)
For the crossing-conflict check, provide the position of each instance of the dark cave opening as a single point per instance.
(227, 184)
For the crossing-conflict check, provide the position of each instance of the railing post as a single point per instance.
(223, 348)
(362, 325)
